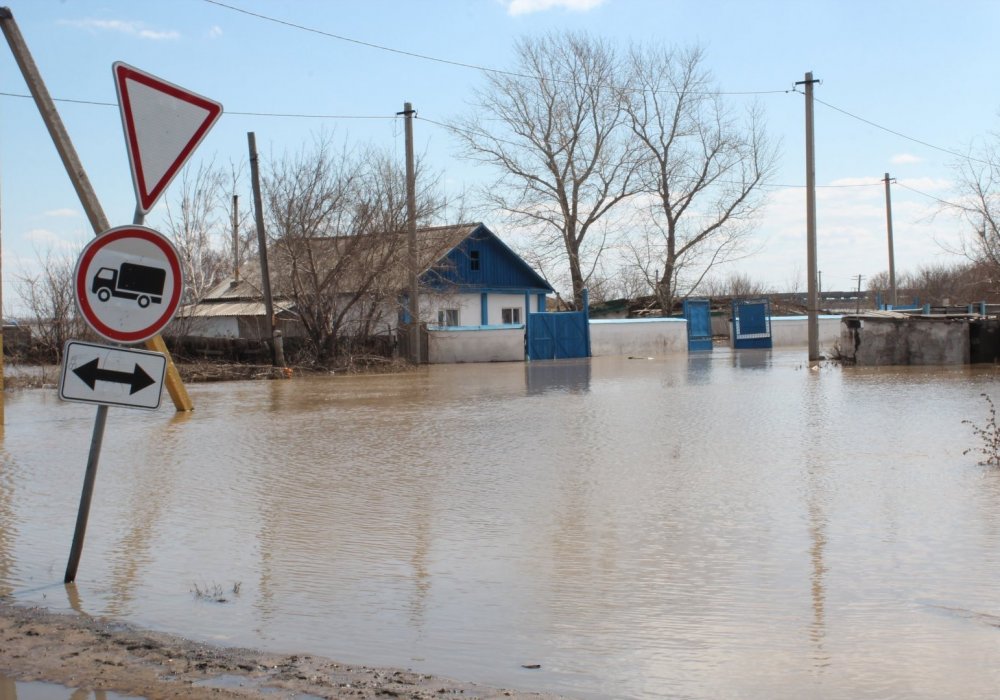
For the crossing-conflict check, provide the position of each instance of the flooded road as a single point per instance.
(724, 525)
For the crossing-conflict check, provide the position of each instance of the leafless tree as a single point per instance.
(50, 301)
(979, 202)
(197, 223)
(553, 129)
(702, 168)
(735, 284)
(338, 225)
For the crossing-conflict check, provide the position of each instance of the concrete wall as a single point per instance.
(638, 336)
(794, 331)
(919, 340)
(475, 344)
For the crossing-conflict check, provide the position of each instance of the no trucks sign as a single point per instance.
(128, 283)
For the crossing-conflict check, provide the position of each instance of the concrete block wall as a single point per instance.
(919, 340)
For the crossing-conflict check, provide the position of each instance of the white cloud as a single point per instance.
(526, 7)
(215, 32)
(62, 213)
(905, 159)
(137, 29)
(43, 239)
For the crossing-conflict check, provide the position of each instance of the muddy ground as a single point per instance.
(102, 654)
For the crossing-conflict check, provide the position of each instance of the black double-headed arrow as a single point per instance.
(137, 379)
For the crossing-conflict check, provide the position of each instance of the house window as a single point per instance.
(474, 260)
(447, 317)
(512, 315)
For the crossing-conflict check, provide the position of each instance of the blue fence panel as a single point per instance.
(698, 313)
(555, 335)
(751, 323)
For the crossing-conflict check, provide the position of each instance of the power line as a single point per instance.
(455, 129)
(435, 59)
(290, 115)
(899, 133)
(929, 196)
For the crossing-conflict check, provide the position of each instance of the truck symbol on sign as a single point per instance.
(130, 281)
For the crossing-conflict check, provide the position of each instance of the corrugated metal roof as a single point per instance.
(231, 308)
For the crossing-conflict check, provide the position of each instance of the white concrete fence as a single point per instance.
(641, 337)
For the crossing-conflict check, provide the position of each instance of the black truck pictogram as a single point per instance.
(130, 281)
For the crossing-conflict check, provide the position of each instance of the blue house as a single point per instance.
(478, 281)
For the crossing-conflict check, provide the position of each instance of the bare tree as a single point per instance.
(735, 284)
(702, 168)
(979, 203)
(48, 296)
(197, 224)
(338, 222)
(553, 129)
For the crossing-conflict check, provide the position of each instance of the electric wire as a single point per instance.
(426, 57)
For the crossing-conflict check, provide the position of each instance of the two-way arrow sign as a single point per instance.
(91, 373)
(112, 376)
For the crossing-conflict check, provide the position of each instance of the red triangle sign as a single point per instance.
(163, 124)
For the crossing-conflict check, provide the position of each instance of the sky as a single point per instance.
(906, 88)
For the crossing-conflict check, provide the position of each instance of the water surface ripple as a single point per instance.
(720, 525)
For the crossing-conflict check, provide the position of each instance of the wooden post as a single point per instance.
(812, 306)
(411, 238)
(277, 360)
(892, 251)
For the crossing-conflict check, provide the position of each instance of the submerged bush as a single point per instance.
(989, 437)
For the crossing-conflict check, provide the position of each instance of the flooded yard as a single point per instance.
(720, 525)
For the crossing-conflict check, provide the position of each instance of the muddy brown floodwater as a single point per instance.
(719, 525)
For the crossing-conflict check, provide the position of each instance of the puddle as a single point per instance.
(36, 690)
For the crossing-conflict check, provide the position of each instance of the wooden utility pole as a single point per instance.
(411, 237)
(892, 253)
(236, 237)
(277, 351)
(812, 265)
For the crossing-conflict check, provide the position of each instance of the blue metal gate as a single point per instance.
(751, 323)
(554, 335)
(698, 313)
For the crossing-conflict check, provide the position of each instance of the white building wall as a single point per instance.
(496, 303)
(211, 327)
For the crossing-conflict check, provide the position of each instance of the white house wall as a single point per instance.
(496, 303)
(213, 327)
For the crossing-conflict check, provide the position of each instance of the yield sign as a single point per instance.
(163, 124)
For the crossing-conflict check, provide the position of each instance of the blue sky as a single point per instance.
(926, 70)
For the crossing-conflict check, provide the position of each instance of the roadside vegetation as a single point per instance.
(988, 436)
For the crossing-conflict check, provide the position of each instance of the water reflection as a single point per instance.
(8, 520)
(727, 525)
(571, 376)
(751, 358)
(699, 368)
(34, 690)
